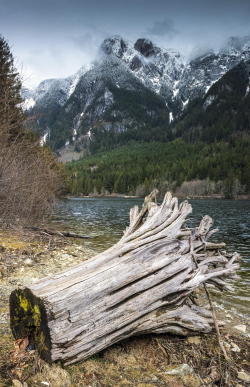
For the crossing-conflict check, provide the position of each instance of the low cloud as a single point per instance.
(83, 41)
(163, 28)
(198, 51)
(88, 43)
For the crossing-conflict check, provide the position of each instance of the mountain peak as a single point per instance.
(145, 47)
(115, 45)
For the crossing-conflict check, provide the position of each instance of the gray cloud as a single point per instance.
(163, 28)
(53, 38)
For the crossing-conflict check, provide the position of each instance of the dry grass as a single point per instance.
(137, 362)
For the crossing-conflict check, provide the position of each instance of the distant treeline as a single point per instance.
(189, 169)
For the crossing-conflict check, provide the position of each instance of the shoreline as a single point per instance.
(124, 196)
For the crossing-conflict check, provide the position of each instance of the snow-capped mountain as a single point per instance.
(200, 74)
(128, 86)
(156, 68)
(223, 113)
(53, 90)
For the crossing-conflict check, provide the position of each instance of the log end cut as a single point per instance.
(28, 318)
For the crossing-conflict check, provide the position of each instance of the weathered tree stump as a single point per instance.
(145, 283)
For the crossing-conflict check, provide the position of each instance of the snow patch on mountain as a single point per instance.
(28, 103)
(44, 138)
(208, 101)
(185, 103)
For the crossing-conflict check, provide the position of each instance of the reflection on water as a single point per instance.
(106, 218)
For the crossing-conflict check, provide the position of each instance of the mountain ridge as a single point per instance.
(96, 100)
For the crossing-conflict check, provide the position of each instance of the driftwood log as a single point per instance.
(145, 283)
(69, 234)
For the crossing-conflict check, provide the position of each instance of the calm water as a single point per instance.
(105, 219)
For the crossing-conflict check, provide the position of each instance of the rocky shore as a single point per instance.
(143, 361)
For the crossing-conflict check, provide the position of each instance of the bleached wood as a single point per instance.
(143, 284)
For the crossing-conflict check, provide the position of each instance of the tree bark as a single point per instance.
(145, 283)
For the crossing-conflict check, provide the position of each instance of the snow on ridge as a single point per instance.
(61, 88)
(175, 88)
(185, 103)
(28, 103)
(74, 79)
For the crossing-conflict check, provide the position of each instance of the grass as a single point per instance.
(140, 361)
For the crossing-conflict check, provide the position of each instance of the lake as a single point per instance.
(106, 218)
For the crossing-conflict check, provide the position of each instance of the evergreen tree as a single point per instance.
(11, 112)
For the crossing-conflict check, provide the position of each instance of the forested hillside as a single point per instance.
(221, 168)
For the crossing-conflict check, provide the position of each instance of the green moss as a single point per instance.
(28, 319)
(24, 303)
(37, 315)
(33, 311)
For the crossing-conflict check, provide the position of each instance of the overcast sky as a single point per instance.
(53, 38)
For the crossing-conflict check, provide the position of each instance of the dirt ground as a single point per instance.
(161, 360)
